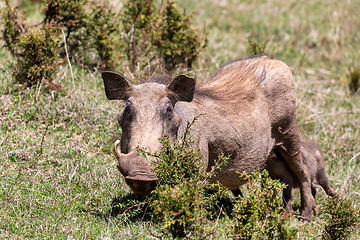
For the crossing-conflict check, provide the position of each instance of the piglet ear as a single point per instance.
(117, 87)
(184, 87)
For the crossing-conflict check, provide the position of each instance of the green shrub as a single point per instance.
(12, 29)
(35, 49)
(340, 218)
(163, 35)
(260, 214)
(180, 209)
(354, 81)
(91, 30)
(39, 60)
(68, 14)
(175, 39)
(103, 28)
(180, 206)
(137, 20)
(177, 162)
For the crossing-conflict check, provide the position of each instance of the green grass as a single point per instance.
(64, 184)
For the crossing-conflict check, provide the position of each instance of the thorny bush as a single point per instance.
(260, 214)
(180, 205)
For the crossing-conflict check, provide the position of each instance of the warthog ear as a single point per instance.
(117, 86)
(184, 87)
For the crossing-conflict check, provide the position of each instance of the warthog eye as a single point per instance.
(169, 112)
(127, 114)
(127, 111)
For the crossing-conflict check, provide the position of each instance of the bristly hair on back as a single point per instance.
(243, 59)
(222, 87)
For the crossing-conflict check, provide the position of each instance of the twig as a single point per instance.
(131, 207)
(42, 140)
(67, 56)
(266, 217)
(300, 63)
(7, 72)
(20, 26)
(212, 169)
(354, 157)
(187, 129)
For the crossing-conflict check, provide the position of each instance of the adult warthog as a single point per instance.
(246, 109)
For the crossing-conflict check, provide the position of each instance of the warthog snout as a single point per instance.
(136, 170)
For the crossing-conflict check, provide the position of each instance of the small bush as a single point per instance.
(138, 21)
(180, 206)
(90, 28)
(35, 49)
(176, 40)
(104, 30)
(39, 59)
(180, 209)
(13, 29)
(354, 81)
(340, 218)
(260, 214)
(163, 35)
(176, 163)
(90, 32)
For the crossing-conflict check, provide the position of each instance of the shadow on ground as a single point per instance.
(131, 207)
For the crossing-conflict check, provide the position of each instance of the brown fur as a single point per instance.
(314, 160)
(245, 111)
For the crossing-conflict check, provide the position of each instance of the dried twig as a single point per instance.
(67, 56)
(42, 140)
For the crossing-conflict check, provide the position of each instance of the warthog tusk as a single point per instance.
(117, 151)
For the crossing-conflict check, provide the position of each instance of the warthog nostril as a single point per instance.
(152, 184)
(130, 182)
(141, 187)
(135, 183)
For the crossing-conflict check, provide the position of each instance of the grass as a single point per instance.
(65, 182)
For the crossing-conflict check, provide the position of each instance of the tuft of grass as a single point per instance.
(354, 81)
(255, 48)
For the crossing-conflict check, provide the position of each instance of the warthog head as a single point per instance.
(147, 116)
